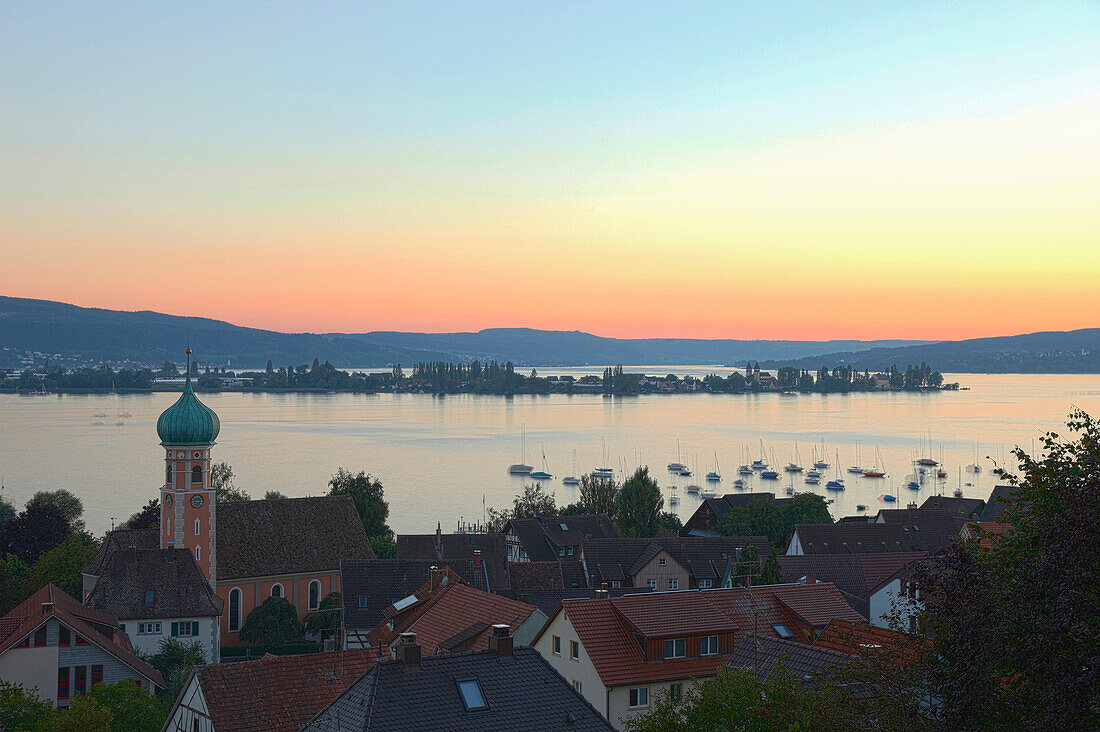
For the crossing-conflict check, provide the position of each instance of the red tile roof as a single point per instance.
(98, 627)
(276, 693)
(608, 628)
(845, 636)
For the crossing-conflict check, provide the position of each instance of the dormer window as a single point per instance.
(675, 648)
(782, 631)
(150, 597)
(662, 562)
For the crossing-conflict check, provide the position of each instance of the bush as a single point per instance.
(274, 622)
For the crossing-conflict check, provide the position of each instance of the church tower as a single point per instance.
(187, 431)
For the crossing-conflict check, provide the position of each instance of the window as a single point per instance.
(276, 590)
(25, 643)
(708, 645)
(673, 583)
(561, 552)
(196, 474)
(185, 629)
(149, 628)
(705, 584)
(64, 637)
(314, 594)
(639, 697)
(198, 553)
(662, 562)
(651, 583)
(63, 682)
(150, 597)
(168, 475)
(675, 692)
(616, 584)
(556, 642)
(571, 551)
(676, 648)
(575, 650)
(577, 685)
(82, 641)
(97, 674)
(472, 698)
(234, 610)
(79, 677)
(196, 527)
(362, 601)
(783, 631)
(40, 637)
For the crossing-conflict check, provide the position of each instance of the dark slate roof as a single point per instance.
(522, 692)
(968, 508)
(897, 530)
(932, 528)
(853, 574)
(535, 576)
(765, 653)
(288, 536)
(572, 573)
(720, 505)
(179, 588)
(704, 557)
(121, 539)
(548, 600)
(385, 581)
(494, 552)
(542, 537)
(1000, 499)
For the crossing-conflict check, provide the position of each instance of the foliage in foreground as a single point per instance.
(121, 707)
(273, 622)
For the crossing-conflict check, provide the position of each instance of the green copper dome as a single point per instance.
(188, 421)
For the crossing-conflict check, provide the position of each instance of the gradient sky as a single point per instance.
(764, 170)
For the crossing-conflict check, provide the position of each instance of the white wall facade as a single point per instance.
(150, 642)
(581, 670)
(889, 599)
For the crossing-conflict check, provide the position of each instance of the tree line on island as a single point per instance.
(439, 377)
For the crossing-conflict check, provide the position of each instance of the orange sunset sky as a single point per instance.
(714, 170)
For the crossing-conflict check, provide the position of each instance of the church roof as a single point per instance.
(288, 536)
(188, 421)
(178, 586)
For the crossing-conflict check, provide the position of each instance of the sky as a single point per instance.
(717, 170)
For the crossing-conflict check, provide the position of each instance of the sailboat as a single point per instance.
(521, 468)
(795, 467)
(673, 499)
(572, 479)
(605, 473)
(543, 474)
(959, 490)
(974, 467)
(762, 463)
(739, 483)
(714, 476)
(743, 468)
(855, 468)
(875, 471)
(769, 474)
(677, 466)
(836, 483)
(821, 463)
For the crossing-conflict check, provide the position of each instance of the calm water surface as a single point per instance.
(439, 456)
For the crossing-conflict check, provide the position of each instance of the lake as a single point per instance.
(438, 457)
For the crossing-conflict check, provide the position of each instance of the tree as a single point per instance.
(72, 508)
(272, 495)
(147, 518)
(84, 715)
(534, 501)
(21, 709)
(640, 504)
(742, 700)
(221, 480)
(61, 566)
(599, 495)
(1015, 621)
(761, 517)
(132, 709)
(325, 620)
(38, 528)
(771, 574)
(369, 497)
(272, 623)
(7, 512)
(384, 546)
(174, 659)
(747, 571)
(670, 521)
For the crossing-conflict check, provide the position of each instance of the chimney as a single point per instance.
(525, 597)
(438, 541)
(809, 579)
(501, 640)
(433, 577)
(47, 607)
(477, 558)
(408, 652)
(602, 593)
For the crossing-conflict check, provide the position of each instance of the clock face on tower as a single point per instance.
(168, 500)
(196, 501)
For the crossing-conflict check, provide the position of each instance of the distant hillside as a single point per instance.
(70, 335)
(1049, 352)
(524, 346)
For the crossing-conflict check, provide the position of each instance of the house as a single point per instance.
(276, 693)
(711, 511)
(247, 550)
(1000, 499)
(894, 530)
(548, 600)
(876, 585)
(52, 642)
(554, 538)
(987, 533)
(622, 652)
(672, 563)
(158, 594)
(454, 617)
(439, 546)
(764, 654)
(371, 586)
(967, 508)
(502, 688)
(853, 637)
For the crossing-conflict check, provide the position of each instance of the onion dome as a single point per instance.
(188, 421)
